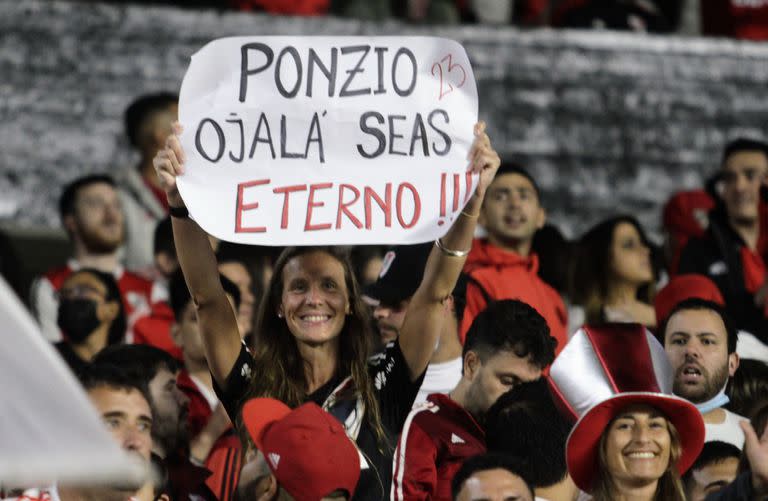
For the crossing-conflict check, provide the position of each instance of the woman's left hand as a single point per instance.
(484, 159)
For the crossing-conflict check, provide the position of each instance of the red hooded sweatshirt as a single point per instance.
(499, 274)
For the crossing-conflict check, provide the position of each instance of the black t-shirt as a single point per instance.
(395, 393)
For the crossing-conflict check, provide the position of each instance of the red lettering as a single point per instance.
(468, 193)
(286, 191)
(416, 205)
(442, 194)
(308, 226)
(343, 206)
(386, 205)
(241, 207)
(456, 189)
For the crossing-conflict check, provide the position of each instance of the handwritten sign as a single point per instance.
(327, 140)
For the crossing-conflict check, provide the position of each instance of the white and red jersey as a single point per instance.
(136, 291)
(437, 437)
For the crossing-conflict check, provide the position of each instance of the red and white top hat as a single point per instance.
(602, 370)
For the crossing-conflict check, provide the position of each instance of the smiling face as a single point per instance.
(630, 256)
(636, 446)
(743, 174)
(511, 212)
(315, 299)
(696, 343)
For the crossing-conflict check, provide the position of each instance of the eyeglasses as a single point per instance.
(80, 291)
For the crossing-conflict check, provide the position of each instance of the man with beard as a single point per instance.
(507, 344)
(734, 251)
(92, 216)
(158, 371)
(700, 341)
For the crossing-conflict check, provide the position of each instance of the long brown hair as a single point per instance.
(276, 348)
(669, 487)
(590, 282)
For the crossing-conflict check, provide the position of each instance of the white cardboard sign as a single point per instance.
(327, 140)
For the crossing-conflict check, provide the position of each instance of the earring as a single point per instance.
(279, 315)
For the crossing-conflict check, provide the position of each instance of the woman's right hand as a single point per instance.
(169, 163)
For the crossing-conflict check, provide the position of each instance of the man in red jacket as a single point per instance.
(509, 343)
(502, 265)
(93, 217)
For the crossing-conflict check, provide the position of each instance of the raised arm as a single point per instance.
(216, 318)
(423, 319)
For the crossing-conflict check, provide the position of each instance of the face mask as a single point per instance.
(77, 318)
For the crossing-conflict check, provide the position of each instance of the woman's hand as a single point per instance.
(484, 159)
(169, 163)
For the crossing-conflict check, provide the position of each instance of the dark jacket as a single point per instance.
(718, 256)
(738, 490)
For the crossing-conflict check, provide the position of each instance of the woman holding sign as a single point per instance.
(313, 339)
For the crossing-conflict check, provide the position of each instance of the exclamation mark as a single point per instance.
(441, 222)
(468, 193)
(456, 190)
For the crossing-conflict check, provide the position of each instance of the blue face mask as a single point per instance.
(715, 402)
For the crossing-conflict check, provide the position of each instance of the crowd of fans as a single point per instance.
(514, 365)
(743, 19)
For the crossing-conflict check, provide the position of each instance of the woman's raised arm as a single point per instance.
(423, 319)
(216, 318)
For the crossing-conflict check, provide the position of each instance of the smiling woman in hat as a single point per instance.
(633, 440)
(312, 330)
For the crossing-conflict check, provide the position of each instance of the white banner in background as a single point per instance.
(327, 140)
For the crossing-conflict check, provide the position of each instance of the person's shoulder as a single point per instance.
(133, 280)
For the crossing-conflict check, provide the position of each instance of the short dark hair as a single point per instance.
(69, 194)
(163, 239)
(714, 452)
(141, 109)
(511, 325)
(695, 303)
(97, 375)
(179, 296)
(741, 144)
(510, 167)
(484, 462)
(525, 423)
(140, 362)
(748, 387)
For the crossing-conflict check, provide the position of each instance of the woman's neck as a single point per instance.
(622, 293)
(639, 492)
(93, 344)
(320, 363)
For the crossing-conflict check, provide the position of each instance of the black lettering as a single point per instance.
(393, 136)
(199, 142)
(239, 158)
(330, 74)
(409, 54)
(278, 81)
(419, 132)
(446, 137)
(351, 50)
(380, 59)
(374, 132)
(315, 126)
(258, 139)
(245, 72)
(283, 140)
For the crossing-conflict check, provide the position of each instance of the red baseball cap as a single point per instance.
(306, 449)
(683, 287)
